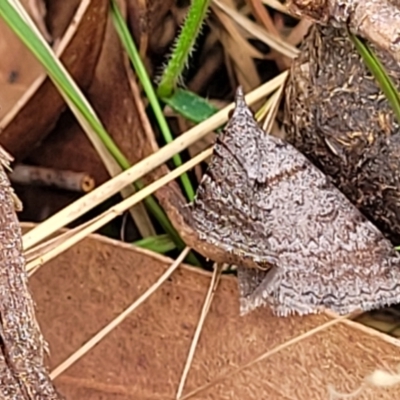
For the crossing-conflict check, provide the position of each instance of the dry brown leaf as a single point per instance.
(18, 68)
(59, 16)
(115, 96)
(138, 17)
(136, 142)
(144, 18)
(257, 356)
(35, 114)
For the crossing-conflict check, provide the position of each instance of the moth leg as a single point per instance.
(271, 278)
(254, 284)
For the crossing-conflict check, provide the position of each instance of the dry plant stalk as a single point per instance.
(196, 337)
(22, 372)
(46, 251)
(87, 202)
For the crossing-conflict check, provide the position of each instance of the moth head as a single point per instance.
(241, 119)
(241, 107)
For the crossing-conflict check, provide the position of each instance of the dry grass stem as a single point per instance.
(204, 311)
(277, 5)
(108, 189)
(264, 356)
(99, 221)
(273, 109)
(42, 248)
(258, 32)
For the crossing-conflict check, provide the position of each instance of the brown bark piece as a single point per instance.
(23, 375)
(9, 387)
(376, 20)
(337, 116)
(143, 358)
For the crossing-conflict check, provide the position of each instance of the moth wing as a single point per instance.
(266, 203)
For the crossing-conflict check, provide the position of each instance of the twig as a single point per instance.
(39, 176)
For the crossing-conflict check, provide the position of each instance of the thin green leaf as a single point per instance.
(380, 74)
(190, 105)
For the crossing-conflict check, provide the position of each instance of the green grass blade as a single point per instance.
(183, 47)
(130, 47)
(160, 244)
(378, 71)
(57, 73)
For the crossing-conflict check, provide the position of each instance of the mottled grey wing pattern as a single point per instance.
(261, 199)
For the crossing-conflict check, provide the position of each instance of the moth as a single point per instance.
(300, 245)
